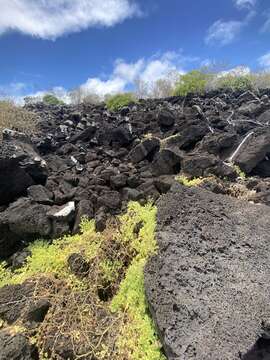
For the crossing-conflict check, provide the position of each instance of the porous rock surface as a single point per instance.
(208, 287)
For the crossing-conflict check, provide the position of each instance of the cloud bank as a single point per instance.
(49, 19)
(147, 70)
(123, 77)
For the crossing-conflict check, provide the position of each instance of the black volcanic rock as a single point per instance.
(254, 150)
(146, 148)
(20, 167)
(98, 161)
(16, 346)
(208, 286)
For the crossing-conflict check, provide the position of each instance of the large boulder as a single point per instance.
(20, 167)
(204, 164)
(253, 151)
(165, 118)
(192, 134)
(85, 135)
(264, 118)
(147, 148)
(208, 286)
(16, 347)
(166, 162)
(199, 164)
(219, 143)
(110, 200)
(21, 222)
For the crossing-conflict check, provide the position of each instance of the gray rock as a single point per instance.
(16, 347)
(197, 164)
(247, 96)
(62, 218)
(166, 162)
(254, 150)
(131, 194)
(19, 259)
(208, 286)
(118, 181)
(250, 109)
(84, 135)
(20, 167)
(84, 209)
(146, 148)
(110, 199)
(40, 194)
(100, 221)
(22, 221)
(165, 118)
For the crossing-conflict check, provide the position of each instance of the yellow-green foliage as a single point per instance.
(189, 182)
(235, 83)
(137, 337)
(239, 172)
(51, 99)
(110, 269)
(145, 244)
(117, 102)
(52, 258)
(193, 82)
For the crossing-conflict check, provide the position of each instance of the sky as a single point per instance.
(104, 46)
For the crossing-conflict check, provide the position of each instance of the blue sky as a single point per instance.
(104, 45)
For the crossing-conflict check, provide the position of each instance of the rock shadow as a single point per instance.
(259, 351)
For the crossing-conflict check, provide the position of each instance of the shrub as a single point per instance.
(52, 100)
(160, 88)
(16, 118)
(261, 80)
(193, 82)
(117, 102)
(241, 174)
(189, 182)
(235, 83)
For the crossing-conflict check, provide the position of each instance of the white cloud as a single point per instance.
(156, 69)
(245, 4)
(101, 88)
(266, 25)
(128, 71)
(49, 19)
(125, 74)
(264, 61)
(223, 32)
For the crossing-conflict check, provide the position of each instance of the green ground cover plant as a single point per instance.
(114, 287)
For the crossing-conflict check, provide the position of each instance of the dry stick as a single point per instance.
(239, 146)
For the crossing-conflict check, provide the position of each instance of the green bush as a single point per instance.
(235, 83)
(117, 102)
(52, 100)
(193, 82)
